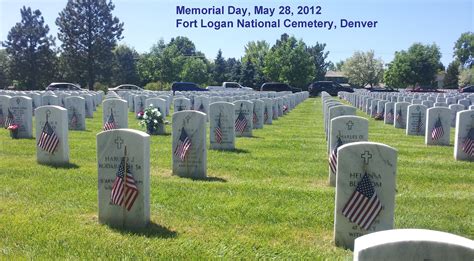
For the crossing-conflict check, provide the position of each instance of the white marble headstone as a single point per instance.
(368, 165)
(438, 126)
(416, 119)
(134, 210)
(52, 147)
(189, 144)
(243, 118)
(347, 129)
(464, 136)
(413, 244)
(400, 118)
(222, 126)
(118, 108)
(21, 109)
(75, 106)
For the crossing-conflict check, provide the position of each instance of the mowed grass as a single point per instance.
(268, 199)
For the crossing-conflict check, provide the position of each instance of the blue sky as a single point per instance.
(400, 24)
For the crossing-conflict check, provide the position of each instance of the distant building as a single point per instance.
(439, 80)
(336, 76)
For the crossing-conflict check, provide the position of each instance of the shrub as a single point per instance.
(158, 86)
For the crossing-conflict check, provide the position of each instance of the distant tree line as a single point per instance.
(89, 54)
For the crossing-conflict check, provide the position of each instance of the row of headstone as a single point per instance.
(364, 174)
(123, 156)
(428, 116)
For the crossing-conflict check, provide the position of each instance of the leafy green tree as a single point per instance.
(125, 65)
(289, 62)
(89, 33)
(149, 64)
(32, 61)
(219, 69)
(319, 59)
(363, 69)
(256, 53)
(416, 66)
(466, 77)
(452, 74)
(247, 77)
(194, 70)
(464, 49)
(4, 69)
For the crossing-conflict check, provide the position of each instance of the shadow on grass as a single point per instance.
(206, 179)
(60, 166)
(238, 151)
(157, 135)
(152, 230)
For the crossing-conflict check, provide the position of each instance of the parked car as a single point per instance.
(126, 87)
(63, 86)
(328, 86)
(380, 89)
(469, 88)
(278, 87)
(185, 86)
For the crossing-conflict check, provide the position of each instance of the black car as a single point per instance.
(63, 86)
(469, 88)
(327, 86)
(185, 86)
(278, 87)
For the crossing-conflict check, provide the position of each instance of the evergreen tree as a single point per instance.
(89, 33)
(32, 61)
(452, 74)
(319, 59)
(219, 68)
(4, 69)
(248, 74)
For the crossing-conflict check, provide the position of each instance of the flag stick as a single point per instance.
(125, 184)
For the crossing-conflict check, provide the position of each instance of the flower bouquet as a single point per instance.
(153, 121)
(13, 128)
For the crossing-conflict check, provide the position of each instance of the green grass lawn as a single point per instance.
(269, 199)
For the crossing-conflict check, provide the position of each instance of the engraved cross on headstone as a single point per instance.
(119, 142)
(366, 156)
(349, 125)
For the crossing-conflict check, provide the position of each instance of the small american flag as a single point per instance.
(333, 156)
(254, 119)
(364, 205)
(184, 144)
(437, 132)
(374, 111)
(399, 117)
(218, 131)
(240, 122)
(285, 108)
(468, 143)
(265, 115)
(48, 140)
(124, 190)
(379, 115)
(390, 115)
(9, 120)
(110, 123)
(74, 120)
